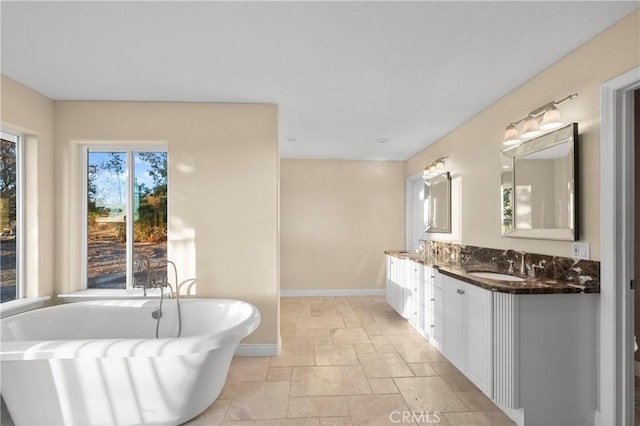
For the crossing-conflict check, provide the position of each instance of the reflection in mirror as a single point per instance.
(437, 203)
(539, 187)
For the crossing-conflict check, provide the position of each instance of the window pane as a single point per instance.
(107, 209)
(8, 220)
(150, 217)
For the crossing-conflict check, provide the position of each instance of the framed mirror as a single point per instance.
(539, 187)
(437, 203)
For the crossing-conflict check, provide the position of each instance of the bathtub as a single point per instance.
(99, 363)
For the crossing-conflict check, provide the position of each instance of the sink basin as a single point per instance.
(496, 276)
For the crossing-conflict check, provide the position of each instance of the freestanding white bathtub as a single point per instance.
(99, 363)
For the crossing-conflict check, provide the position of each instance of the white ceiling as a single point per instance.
(344, 74)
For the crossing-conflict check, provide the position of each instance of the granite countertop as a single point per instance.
(529, 286)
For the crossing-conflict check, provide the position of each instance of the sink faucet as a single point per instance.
(532, 269)
(522, 264)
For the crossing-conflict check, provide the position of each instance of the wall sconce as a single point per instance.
(546, 117)
(434, 169)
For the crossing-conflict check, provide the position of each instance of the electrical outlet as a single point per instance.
(580, 251)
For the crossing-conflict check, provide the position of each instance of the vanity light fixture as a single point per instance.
(434, 169)
(551, 118)
(530, 128)
(511, 135)
(546, 117)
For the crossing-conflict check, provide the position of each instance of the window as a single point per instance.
(11, 236)
(122, 184)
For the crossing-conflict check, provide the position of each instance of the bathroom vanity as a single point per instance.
(528, 345)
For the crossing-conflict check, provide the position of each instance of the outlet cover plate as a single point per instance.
(580, 251)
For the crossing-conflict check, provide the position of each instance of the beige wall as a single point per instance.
(32, 115)
(223, 192)
(474, 147)
(337, 218)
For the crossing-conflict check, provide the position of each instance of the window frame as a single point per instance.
(129, 150)
(18, 139)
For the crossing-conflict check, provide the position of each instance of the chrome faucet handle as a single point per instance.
(533, 267)
(510, 270)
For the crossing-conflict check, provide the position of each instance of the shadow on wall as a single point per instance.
(182, 251)
(181, 236)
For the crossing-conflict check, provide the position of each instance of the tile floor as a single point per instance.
(348, 361)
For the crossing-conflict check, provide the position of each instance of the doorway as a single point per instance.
(636, 247)
(415, 211)
(617, 245)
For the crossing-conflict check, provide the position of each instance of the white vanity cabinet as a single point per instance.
(467, 330)
(404, 290)
(532, 354)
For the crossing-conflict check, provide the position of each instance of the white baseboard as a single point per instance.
(636, 368)
(257, 349)
(515, 414)
(334, 292)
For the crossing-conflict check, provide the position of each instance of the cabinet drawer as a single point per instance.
(414, 269)
(428, 320)
(428, 300)
(429, 274)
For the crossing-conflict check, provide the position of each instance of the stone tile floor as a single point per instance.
(348, 361)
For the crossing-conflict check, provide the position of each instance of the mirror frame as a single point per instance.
(565, 134)
(429, 216)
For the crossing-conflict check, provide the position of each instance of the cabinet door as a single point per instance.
(437, 331)
(437, 300)
(452, 320)
(478, 337)
(394, 291)
(428, 324)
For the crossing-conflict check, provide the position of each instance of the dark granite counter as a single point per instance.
(454, 267)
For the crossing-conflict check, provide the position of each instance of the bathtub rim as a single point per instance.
(23, 350)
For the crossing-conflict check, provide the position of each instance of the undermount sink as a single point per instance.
(496, 276)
